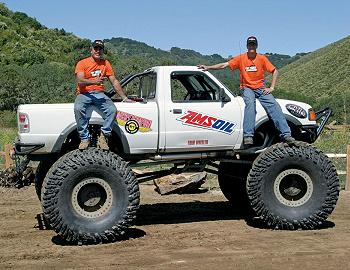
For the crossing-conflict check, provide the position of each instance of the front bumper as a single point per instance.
(324, 116)
(310, 133)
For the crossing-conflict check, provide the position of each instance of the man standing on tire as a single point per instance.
(252, 67)
(91, 73)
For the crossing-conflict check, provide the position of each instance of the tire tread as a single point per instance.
(277, 152)
(55, 178)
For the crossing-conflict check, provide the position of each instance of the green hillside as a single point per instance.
(136, 55)
(37, 63)
(131, 55)
(281, 60)
(321, 78)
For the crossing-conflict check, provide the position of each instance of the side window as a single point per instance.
(193, 87)
(132, 87)
(178, 91)
(143, 86)
(148, 85)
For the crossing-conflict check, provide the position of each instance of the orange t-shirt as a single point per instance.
(252, 72)
(93, 70)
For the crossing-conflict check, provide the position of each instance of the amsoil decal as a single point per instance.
(201, 120)
(133, 123)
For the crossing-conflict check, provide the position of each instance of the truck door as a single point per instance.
(139, 120)
(197, 119)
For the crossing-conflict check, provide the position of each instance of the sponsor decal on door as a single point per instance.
(133, 123)
(201, 120)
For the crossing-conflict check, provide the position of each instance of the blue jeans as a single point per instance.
(83, 106)
(271, 107)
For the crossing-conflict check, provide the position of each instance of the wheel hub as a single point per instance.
(293, 187)
(92, 197)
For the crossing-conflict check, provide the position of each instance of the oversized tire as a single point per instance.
(293, 186)
(40, 174)
(90, 196)
(232, 178)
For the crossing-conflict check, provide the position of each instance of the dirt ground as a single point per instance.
(197, 231)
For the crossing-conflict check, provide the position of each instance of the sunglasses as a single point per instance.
(98, 48)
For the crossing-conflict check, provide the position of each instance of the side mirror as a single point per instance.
(223, 96)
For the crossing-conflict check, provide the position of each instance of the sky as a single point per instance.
(206, 26)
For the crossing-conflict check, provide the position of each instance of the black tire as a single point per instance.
(40, 174)
(293, 186)
(232, 180)
(90, 196)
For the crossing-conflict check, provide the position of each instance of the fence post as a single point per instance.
(347, 183)
(8, 159)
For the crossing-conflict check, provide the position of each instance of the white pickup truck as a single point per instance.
(185, 117)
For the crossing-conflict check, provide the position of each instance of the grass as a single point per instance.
(335, 142)
(7, 136)
(8, 128)
(8, 119)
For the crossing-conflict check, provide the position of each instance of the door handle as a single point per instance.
(177, 111)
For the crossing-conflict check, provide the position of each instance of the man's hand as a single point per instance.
(204, 67)
(82, 81)
(213, 67)
(101, 80)
(128, 100)
(267, 91)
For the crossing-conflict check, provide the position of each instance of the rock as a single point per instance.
(10, 177)
(180, 183)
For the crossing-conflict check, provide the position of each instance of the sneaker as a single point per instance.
(102, 142)
(289, 139)
(248, 141)
(84, 144)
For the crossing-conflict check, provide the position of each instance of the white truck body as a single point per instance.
(162, 125)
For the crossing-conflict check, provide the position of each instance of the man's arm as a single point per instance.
(83, 82)
(217, 66)
(268, 90)
(118, 87)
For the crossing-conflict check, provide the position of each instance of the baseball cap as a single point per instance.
(98, 43)
(252, 40)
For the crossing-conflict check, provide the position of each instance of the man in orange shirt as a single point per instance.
(252, 67)
(91, 73)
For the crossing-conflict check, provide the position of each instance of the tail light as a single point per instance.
(312, 115)
(23, 123)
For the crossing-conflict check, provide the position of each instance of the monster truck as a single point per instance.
(187, 118)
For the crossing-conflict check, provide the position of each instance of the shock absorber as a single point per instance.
(94, 133)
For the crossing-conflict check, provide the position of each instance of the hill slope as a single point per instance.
(131, 51)
(136, 56)
(37, 63)
(321, 78)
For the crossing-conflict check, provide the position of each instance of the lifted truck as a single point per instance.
(186, 117)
